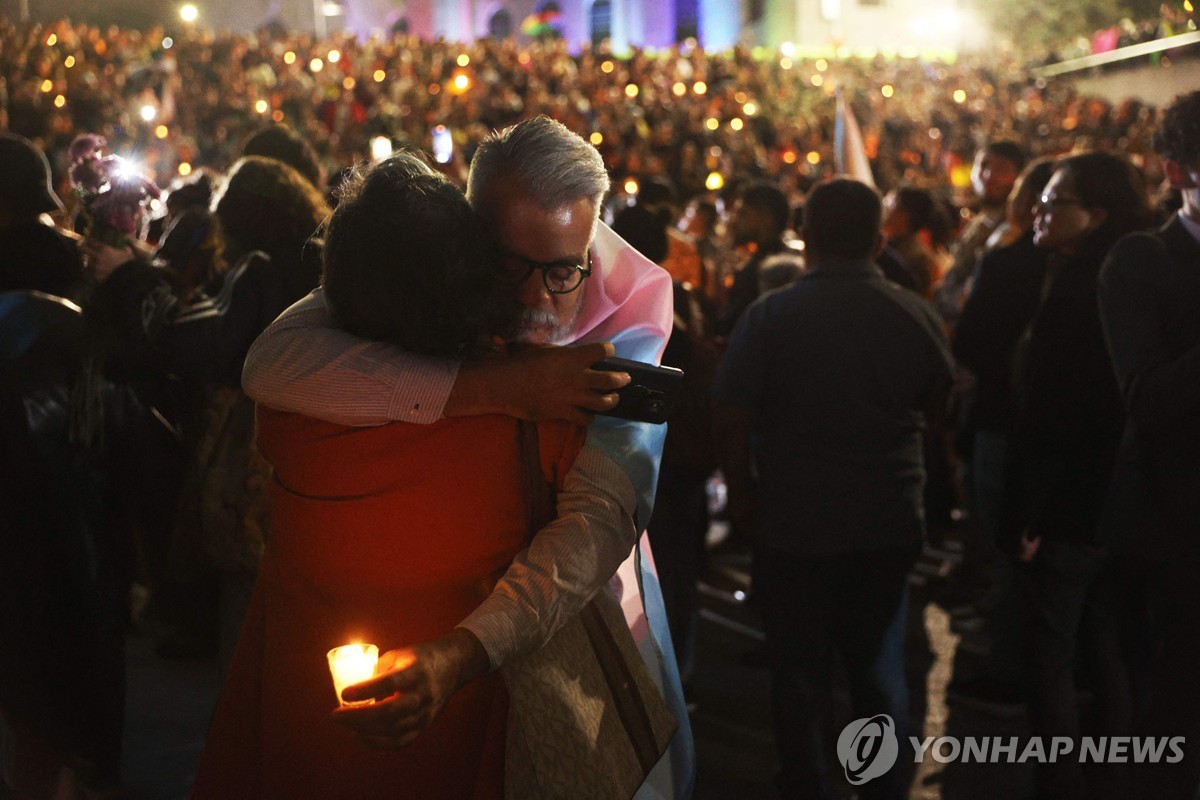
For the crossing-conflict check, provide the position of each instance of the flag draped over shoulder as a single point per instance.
(849, 152)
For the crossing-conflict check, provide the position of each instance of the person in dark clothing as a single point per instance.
(1005, 295)
(266, 215)
(33, 255)
(60, 615)
(826, 385)
(1149, 296)
(760, 218)
(1064, 440)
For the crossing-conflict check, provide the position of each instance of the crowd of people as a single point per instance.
(191, 97)
(997, 330)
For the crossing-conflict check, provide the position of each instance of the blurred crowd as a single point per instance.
(176, 101)
(144, 437)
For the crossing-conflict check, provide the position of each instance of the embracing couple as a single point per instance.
(400, 514)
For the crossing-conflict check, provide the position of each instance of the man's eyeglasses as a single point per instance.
(560, 277)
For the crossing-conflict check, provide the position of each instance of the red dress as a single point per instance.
(390, 535)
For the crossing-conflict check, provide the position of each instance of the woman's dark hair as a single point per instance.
(282, 143)
(266, 205)
(1111, 183)
(926, 212)
(408, 262)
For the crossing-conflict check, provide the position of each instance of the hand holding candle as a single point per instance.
(351, 664)
(411, 687)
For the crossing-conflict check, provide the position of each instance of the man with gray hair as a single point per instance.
(539, 187)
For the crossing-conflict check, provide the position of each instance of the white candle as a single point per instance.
(351, 664)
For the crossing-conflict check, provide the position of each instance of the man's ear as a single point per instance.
(1179, 176)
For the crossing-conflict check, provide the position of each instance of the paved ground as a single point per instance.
(170, 702)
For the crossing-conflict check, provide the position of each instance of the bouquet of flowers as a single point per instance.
(113, 194)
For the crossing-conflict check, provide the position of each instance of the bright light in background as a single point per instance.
(316, 65)
(463, 60)
(261, 106)
(60, 101)
(813, 157)
(597, 138)
(631, 90)
(822, 65)
(349, 83)
(607, 67)
(631, 186)
(712, 123)
(189, 13)
(47, 85)
(788, 49)
(679, 89)
(277, 115)
(381, 148)
(948, 21)
(462, 82)
(785, 63)
(1187, 6)
(817, 80)
(714, 181)
(789, 157)
(921, 27)
(161, 132)
(379, 75)
(887, 90)
(960, 96)
(334, 56)
(699, 87)
(148, 113)
(736, 123)
(289, 57)
(69, 62)
(185, 169)
(750, 109)
(51, 40)
(831, 10)
(167, 43)
(332, 9)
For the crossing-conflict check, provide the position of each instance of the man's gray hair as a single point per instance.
(543, 160)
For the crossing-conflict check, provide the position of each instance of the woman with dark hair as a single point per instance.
(918, 229)
(1063, 444)
(391, 534)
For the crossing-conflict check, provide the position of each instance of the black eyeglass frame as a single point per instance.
(545, 266)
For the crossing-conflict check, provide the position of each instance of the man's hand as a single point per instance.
(412, 687)
(538, 383)
(103, 259)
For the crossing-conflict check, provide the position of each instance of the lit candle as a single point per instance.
(351, 664)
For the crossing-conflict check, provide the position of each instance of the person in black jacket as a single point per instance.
(1065, 434)
(62, 669)
(1149, 298)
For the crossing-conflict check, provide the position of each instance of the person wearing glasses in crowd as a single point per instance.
(538, 188)
(1061, 452)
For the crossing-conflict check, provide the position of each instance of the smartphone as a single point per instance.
(651, 396)
(443, 144)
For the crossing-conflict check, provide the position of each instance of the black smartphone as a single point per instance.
(652, 394)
